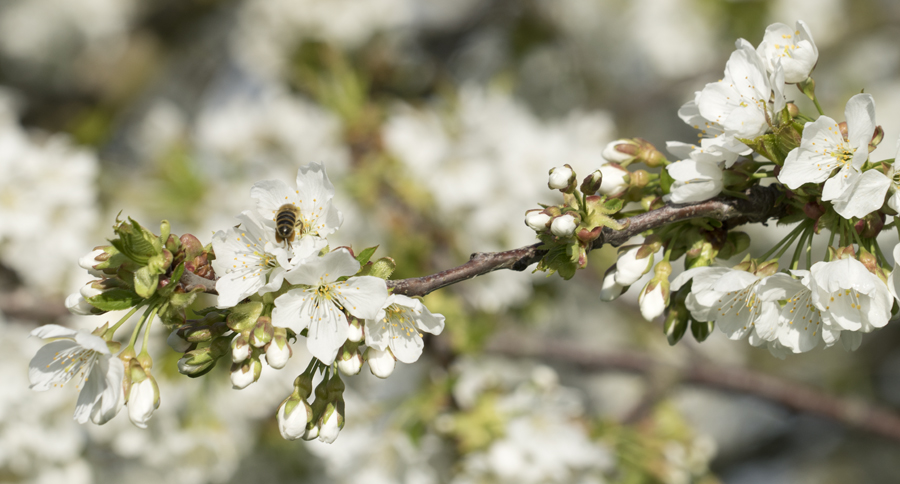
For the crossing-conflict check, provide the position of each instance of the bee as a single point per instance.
(287, 218)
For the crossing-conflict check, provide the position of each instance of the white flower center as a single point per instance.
(398, 320)
(73, 361)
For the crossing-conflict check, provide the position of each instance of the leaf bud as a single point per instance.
(383, 268)
(190, 246)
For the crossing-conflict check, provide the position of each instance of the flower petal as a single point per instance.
(363, 296)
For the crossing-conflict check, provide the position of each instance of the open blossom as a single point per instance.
(801, 326)
(731, 298)
(249, 260)
(317, 217)
(320, 305)
(696, 178)
(711, 135)
(87, 356)
(850, 297)
(398, 324)
(824, 155)
(793, 48)
(747, 98)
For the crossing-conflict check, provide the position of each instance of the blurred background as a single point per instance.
(437, 121)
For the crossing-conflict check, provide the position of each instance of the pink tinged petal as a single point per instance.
(49, 366)
(860, 116)
(362, 296)
(272, 194)
(325, 269)
(866, 196)
(328, 331)
(294, 310)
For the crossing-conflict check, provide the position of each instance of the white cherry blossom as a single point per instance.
(893, 174)
(793, 48)
(320, 304)
(563, 226)
(398, 324)
(824, 156)
(894, 278)
(87, 356)
(801, 326)
(249, 260)
(317, 217)
(746, 100)
(711, 136)
(696, 178)
(143, 399)
(850, 297)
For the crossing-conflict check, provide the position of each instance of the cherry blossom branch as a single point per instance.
(759, 206)
(849, 411)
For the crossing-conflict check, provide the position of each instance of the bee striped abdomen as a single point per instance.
(286, 223)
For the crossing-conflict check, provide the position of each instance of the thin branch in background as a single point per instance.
(849, 411)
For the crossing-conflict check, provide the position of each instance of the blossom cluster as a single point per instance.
(276, 280)
(821, 178)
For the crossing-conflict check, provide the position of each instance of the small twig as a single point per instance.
(849, 411)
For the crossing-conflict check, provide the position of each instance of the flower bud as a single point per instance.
(78, 305)
(639, 179)
(143, 399)
(240, 349)
(263, 332)
(190, 246)
(655, 296)
(350, 360)
(88, 261)
(877, 138)
(630, 268)
(293, 416)
(870, 225)
(622, 151)
(702, 330)
(278, 352)
(177, 343)
(562, 178)
(615, 180)
(610, 289)
(537, 220)
(331, 422)
(793, 110)
(355, 332)
(381, 363)
(845, 132)
(592, 183)
(243, 374)
(564, 225)
(90, 290)
(808, 87)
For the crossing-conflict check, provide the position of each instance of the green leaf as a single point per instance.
(184, 299)
(145, 282)
(613, 205)
(115, 300)
(665, 181)
(176, 276)
(136, 242)
(365, 255)
(383, 268)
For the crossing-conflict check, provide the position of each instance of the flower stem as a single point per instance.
(793, 236)
(803, 243)
(815, 101)
(146, 341)
(112, 331)
(789, 236)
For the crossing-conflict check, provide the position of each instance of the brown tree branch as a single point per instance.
(759, 206)
(851, 412)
